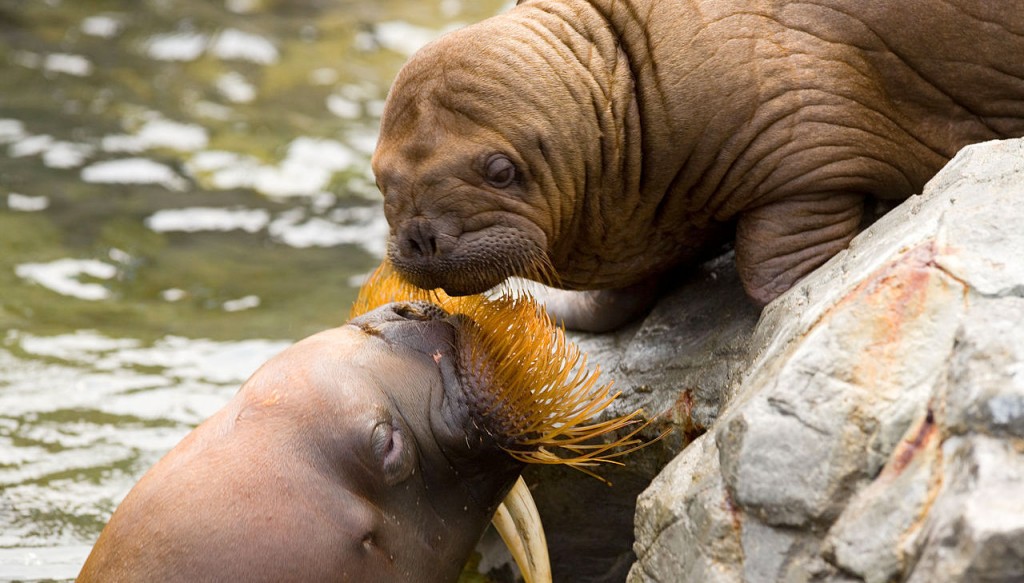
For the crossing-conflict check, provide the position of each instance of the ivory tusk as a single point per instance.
(518, 523)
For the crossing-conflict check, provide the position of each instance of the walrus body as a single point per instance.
(605, 144)
(345, 458)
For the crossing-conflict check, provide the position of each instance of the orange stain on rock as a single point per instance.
(908, 448)
(891, 302)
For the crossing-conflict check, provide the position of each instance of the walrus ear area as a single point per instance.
(500, 171)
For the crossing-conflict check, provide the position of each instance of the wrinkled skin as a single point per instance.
(348, 457)
(643, 135)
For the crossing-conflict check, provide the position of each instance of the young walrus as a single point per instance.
(373, 452)
(607, 144)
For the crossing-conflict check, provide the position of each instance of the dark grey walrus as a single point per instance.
(605, 144)
(373, 452)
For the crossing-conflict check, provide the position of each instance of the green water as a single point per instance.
(184, 190)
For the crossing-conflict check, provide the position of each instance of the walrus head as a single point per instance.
(490, 137)
(376, 451)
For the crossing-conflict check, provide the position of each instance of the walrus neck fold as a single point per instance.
(588, 157)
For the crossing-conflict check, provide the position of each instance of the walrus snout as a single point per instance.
(418, 240)
(421, 311)
(432, 254)
(392, 323)
(422, 248)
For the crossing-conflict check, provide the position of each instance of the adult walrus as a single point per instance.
(605, 144)
(373, 452)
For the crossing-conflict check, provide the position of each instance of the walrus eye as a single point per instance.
(389, 447)
(501, 172)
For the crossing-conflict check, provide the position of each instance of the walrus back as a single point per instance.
(953, 69)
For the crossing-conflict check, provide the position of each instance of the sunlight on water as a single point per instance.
(83, 415)
(184, 191)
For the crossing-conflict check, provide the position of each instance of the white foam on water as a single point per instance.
(222, 170)
(30, 146)
(233, 44)
(164, 133)
(75, 65)
(343, 107)
(307, 169)
(290, 179)
(198, 359)
(321, 153)
(367, 228)
(195, 219)
(405, 38)
(173, 294)
(78, 346)
(179, 46)
(62, 276)
(236, 88)
(67, 154)
(132, 171)
(11, 130)
(26, 203)
(243, 303)
(101, 25)
(118, 143)
(42, 563)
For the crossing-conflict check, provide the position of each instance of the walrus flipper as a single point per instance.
(600, 310)
(779, 243)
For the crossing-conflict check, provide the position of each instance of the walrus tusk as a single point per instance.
(518, 523)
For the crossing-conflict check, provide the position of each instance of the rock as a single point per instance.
(677, 364)
(873, 426)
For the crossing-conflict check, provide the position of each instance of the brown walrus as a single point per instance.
(604, 144)
(373, 452)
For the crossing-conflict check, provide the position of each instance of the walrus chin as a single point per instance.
(535, 397)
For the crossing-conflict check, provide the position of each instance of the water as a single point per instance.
(184, 190)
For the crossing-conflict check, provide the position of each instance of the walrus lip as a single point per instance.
(471, 263)
(436, 275)
(518, 523)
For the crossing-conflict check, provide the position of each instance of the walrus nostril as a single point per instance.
(419, 311)
(420, 239)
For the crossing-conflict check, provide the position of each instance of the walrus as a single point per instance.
(607, 145)
(373, 452)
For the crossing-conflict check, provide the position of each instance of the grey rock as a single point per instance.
(874, 432)
(677, 366)
(987, 385)
(705, 546)
(975, 531)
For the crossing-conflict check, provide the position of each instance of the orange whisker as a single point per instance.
(540, 394)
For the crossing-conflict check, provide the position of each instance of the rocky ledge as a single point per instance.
(868, 426)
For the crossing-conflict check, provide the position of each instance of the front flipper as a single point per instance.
(601, 310)
(779, 243)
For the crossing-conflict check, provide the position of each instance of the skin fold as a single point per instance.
(350, 456)
(608, 145)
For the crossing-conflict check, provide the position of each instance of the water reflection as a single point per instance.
(179, 181)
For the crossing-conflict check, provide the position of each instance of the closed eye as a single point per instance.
(391, 450)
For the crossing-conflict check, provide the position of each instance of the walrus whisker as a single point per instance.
(540, 393)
